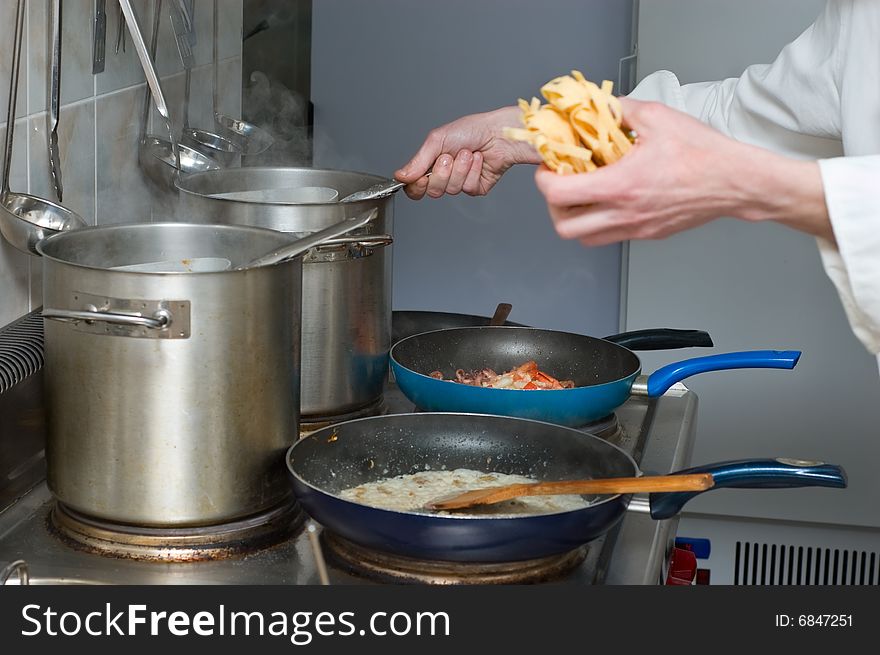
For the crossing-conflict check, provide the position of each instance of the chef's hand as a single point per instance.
(468, 154)
(682, 174)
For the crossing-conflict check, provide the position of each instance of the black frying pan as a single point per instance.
(405, 323)
(365, 450)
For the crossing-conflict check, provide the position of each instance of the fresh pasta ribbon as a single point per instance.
(580, 127)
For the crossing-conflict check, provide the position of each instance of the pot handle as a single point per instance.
(158, 321)
(662, 339)
(663, 378)
(378, 241)
(781, 473)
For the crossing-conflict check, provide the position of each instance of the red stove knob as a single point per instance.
(682, 567)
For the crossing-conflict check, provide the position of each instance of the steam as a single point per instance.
(284, 114)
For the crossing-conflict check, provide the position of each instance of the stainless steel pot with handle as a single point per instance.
(346, 296)
(172, 396)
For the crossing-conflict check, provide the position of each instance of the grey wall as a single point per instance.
(385, 72)
(99, 121)
(757, 286)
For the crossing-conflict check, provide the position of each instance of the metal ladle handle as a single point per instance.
(215, 64)
(13, 92)
(154, 40)
(140, 47)
(379, 190)
(300, 246)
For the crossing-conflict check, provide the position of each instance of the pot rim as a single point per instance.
(283, 238)
(181, 180)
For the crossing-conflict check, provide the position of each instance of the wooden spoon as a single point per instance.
(501, 314)
(645, 484)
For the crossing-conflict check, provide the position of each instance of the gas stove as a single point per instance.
(658, 433)
(282, 545)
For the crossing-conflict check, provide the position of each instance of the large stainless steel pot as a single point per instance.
(173, 404)
(346, 296)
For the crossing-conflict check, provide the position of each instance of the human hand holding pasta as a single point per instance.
(468, 154)
(579, 129)
(681, 174)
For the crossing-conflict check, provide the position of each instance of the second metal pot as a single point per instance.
(346, 295)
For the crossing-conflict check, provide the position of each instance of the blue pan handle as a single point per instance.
(660, 380)
(752, 474)
(662, 339)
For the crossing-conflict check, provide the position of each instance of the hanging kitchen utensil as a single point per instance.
(159, 158)
(604, 373)
(218, 148)
(120, 32)
(367, 450)
(251, 139)
(99, 37)
(608, 486)
(25, 219)
(379, 190)
(53, 114)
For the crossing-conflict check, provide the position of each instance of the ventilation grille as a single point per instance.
(21, 349)
(777, 564)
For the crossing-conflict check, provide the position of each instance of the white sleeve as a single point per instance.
(853, 200)
(790, 106)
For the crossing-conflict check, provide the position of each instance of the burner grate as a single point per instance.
(386, 567)
(191, 544)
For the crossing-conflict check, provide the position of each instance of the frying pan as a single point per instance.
(604, 372)
(369, 449)
(405, 323)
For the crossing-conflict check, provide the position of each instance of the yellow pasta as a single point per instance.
(580, 127)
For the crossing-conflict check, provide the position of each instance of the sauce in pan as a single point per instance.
(410, 493)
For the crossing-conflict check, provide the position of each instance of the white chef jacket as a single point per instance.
(820, 99)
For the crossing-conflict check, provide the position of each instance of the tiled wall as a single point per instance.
(100, 116)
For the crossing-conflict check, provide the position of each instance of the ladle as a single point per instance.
(25, 219)
(612, 486)
(251, 139)
(217, 264)
(379, 190)
(160, 158)
(316, 239)
(224, 151)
